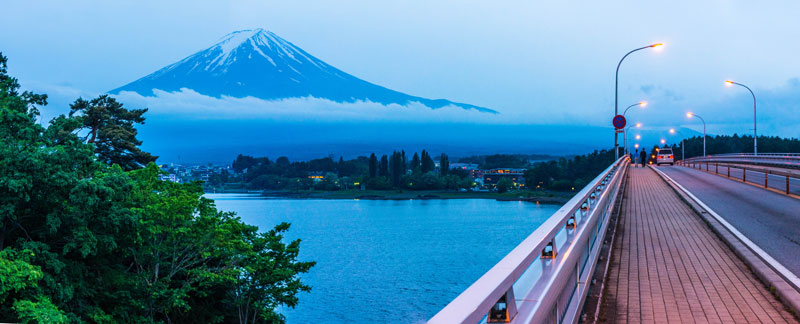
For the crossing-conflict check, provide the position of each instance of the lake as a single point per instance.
(390, 261)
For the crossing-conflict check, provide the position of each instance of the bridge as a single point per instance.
(712, 239)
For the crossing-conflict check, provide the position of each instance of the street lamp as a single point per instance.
(690, 115)
(755, 134)
(640, 104)
(616, 93)
(625, 137)
(663, 141)
(625, 134)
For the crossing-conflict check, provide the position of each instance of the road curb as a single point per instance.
(776, 284)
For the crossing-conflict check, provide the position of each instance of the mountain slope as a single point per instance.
(260, 64)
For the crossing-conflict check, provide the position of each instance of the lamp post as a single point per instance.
(625, 137)
(625, 131)
(690, 115)
(616, 93)
(755, 134)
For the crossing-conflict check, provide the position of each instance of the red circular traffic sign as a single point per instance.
(618, 121)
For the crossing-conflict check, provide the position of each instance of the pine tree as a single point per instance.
(373, 165)
(397, 168)
(384, 167)
(405, 161)
(415, 165)
(111, 131)
(444, 164)
(427, 164)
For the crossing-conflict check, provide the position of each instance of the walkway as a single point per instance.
(767, 218)
(668, 267)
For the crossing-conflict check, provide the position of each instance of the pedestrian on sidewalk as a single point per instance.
(643, 157)
(636, 159)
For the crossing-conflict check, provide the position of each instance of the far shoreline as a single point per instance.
(539, 197)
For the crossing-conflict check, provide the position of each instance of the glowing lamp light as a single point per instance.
(728, 83)
(638, 125)
(643, 104)
(638, 137)
(663, 141)
(690, 115)
(672, 131)
(636, 146)
(657, 45)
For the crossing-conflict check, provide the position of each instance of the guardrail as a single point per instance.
(544, 279)
(782, 160)
(784, 180)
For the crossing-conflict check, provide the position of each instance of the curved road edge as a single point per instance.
(784, 283)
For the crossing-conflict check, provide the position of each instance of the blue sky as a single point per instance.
(535, 62)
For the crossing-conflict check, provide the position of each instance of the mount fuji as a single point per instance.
(257, 63)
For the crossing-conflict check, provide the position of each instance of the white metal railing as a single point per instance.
(544, 279)
(784, 160)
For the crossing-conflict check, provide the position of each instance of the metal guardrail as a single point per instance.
(781, 160)
(544, 279)
(760, 154)
(782, 178)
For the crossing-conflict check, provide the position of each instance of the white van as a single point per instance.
(665, 156)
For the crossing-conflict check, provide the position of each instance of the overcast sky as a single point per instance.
(540, 62)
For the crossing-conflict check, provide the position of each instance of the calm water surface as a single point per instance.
(383, 261)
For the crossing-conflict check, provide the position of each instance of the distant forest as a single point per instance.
(398, 171)
(722, 144)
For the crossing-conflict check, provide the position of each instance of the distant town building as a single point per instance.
(493, 176)
(471, 168)
(317, 176)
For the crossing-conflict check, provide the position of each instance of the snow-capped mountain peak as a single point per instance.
(261, 64)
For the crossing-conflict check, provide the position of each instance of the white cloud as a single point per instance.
(190, 104)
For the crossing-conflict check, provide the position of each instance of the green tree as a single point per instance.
(383, 171)
(444, 164)
(82, 241)
(397, 167)
(504, 185)
(111, 130)
(373, 165)
(415, 164)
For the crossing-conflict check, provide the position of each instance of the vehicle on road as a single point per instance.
(665, 156)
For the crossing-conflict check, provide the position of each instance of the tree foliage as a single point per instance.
(111, 130)
(83, 241)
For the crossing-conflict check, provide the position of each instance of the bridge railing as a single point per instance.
(545, 278)
(781, 160)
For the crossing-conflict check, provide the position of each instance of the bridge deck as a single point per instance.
(668, 267)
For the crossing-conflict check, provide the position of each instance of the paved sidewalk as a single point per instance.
(668, 267)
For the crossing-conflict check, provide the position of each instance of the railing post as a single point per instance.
(716, 168)
(766, 178)
(504, 309)
(744, 174)
(787, 184)
(729, 171)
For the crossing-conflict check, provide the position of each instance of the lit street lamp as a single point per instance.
(690, 115)
(616, 93)
(625, 137)
(625, 134)
(755, 134)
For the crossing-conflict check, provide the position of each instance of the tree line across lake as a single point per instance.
(89, 234)
(419, 172)
(396, 171)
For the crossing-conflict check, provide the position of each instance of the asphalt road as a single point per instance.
(771, 220)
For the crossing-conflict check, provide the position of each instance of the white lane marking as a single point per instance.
(788, 275)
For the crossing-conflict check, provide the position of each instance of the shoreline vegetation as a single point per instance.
(558, 198)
